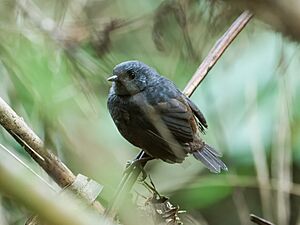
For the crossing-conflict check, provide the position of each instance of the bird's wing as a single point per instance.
(178, 117)
(198, 114)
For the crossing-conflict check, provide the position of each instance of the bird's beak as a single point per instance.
(112, 78)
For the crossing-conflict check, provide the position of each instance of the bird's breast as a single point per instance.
(127, 116)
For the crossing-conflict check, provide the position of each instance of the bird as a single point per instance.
(153, 114)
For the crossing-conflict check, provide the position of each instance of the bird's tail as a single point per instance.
(210, 158)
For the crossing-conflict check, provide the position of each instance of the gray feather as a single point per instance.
(209, 157)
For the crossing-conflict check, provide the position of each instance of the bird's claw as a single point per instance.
(130, 165)
(137, 163)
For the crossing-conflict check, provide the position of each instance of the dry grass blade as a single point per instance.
(26, 166)
(259, 154)
(282, 149)
(241, 206)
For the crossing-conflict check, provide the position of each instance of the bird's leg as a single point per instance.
(141, 158)
(139, 161)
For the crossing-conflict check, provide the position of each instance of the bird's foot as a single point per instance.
(138, 163)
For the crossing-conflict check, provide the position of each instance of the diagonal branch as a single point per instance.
(35, 147)
(215, 53)
(22, 133)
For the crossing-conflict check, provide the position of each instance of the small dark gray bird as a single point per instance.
(154, 115)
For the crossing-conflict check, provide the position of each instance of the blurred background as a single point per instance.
(55, 57)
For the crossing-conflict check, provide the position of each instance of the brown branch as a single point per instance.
(22, 133)
(259, 221)
(216, 52)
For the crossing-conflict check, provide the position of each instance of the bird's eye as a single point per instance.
(131, 74)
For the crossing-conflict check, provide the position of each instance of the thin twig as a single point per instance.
(259, 221)
(216, 52)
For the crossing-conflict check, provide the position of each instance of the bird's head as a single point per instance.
(131, 77)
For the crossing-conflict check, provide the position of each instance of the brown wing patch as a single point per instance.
(196, 111)
(179, 119)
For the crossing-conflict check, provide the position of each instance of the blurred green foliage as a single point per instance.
(57, 83)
